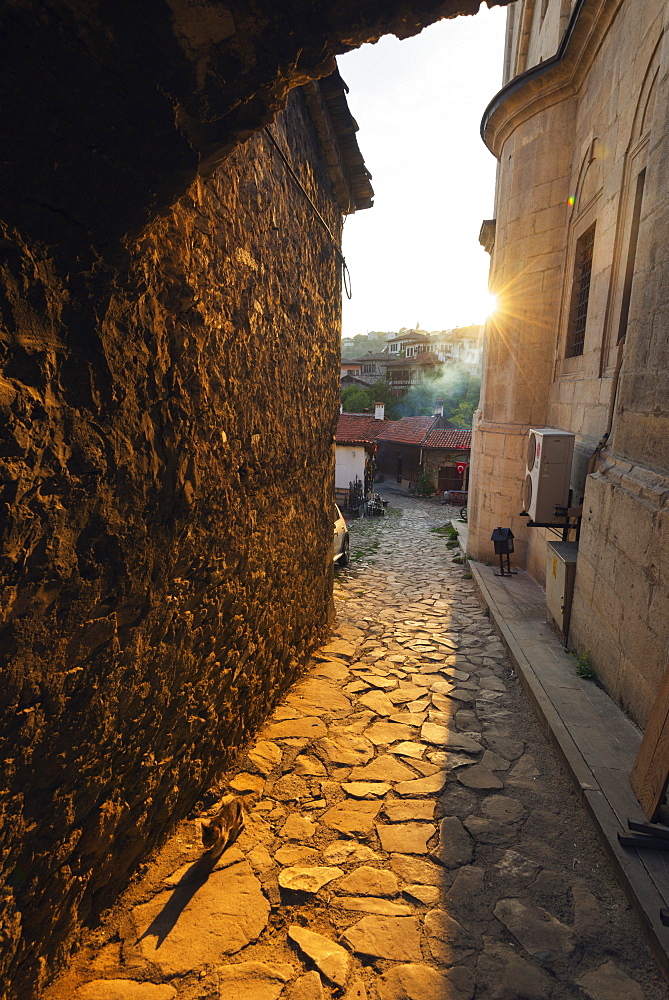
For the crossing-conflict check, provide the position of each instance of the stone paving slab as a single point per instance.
(597, 742)
(409, 833)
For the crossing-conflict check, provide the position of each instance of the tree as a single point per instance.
(463, 415)
(355, 399)
(362, 343)
(453, 384)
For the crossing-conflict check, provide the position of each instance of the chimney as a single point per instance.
(438, 407)
(379, 410)
(341, 407)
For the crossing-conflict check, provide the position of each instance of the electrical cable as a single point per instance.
(346, 274)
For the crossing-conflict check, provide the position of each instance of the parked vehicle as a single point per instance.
(341, 542)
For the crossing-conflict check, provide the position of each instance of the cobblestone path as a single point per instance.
(410, 834)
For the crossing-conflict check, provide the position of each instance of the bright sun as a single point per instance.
(490, 304)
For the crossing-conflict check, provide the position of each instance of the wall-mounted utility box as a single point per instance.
(560, 573)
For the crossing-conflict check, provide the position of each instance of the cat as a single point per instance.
(223, 828)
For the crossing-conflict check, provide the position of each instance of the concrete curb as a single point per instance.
(598, 753)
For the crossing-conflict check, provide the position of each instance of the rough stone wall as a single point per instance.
(165, 420)
(133, 100)
(167, 472)
(433, 460)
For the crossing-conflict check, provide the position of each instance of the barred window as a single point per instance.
(580, 293)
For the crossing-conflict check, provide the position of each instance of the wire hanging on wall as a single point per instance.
(346, 274)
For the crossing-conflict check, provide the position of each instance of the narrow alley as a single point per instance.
(409, 836)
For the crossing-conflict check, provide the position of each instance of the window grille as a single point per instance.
(580, 294)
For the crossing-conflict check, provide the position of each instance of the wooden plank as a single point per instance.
(650, 773)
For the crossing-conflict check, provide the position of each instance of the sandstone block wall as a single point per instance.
(167, 472)
(572, 141)
(621, 613)
(526, 272)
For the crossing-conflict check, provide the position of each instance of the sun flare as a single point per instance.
(490, 304)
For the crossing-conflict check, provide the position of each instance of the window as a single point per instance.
(580, 293)
(631, 255)
(631, 219)
(368, 369)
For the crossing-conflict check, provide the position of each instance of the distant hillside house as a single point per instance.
(408, 343)
(363, 383)
(371, 366)
(464, 344)
(403, 373)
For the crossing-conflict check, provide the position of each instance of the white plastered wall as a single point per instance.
(350, 462)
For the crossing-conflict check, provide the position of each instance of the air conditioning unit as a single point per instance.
(549, 457)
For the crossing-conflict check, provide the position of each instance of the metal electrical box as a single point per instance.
(560, 573)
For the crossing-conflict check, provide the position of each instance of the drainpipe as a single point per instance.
(592, 464)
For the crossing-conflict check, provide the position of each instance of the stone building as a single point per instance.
(446, 458)
(356, 450)
(580, 263)
(167, 485)
(400, 447)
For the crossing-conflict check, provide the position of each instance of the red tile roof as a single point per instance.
(415, 335)
(408, 430)
(422, 358)
(356, 428)
(448, 439)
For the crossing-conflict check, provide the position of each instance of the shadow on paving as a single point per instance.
(185, 889)
(409, 836)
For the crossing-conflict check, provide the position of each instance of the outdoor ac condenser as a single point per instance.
(549, 457)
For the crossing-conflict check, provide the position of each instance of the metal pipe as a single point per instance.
(592, 464)
(614, 384)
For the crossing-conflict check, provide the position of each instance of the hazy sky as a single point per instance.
(414, 257)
